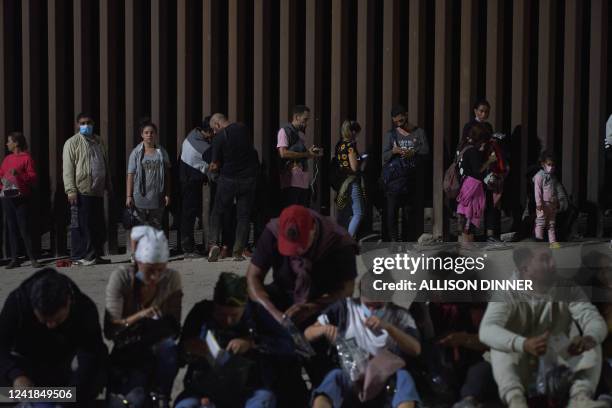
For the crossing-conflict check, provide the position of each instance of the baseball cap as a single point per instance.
(295, 224)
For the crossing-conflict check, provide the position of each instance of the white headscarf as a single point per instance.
(152, 245)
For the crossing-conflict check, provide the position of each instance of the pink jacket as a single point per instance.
(545, 188)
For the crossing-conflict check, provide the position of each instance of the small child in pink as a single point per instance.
(546, 200)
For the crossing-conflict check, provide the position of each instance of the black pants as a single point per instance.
(191, 207)
(16, 210)
(295, 195)
(228, 190)
(492, 215)
(88, 375)
(88, 235)
(479, 383)
(407, 202)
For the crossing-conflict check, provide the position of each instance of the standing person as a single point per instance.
(405, 148)
(546, 199)
(149, 171)
(86, 177)
(17, 177)
(291, 145)
(236, 161)
(472, 166)
(143, 316)
(495, 174)
(350, 182)
(196, 155)
(50, 337)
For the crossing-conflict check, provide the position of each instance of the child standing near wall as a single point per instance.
(546, 199)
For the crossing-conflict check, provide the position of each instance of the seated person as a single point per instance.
(518, 330)
(228, 317)
(143, 315)
(50, 336)
(375, 326)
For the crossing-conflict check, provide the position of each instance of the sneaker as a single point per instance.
(493, 239)
(15, 263)
(225, 252)
(239, 258)
(518, 402)
(582, 400)
(467, 402)
(213, 254)
(35, 264)
(84, 262)
(555, 245)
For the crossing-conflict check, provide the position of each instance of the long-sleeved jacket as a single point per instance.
(25, 171)
(76, 165)
(23, 334)
(506, 325)
(545, 188)
(196, 156)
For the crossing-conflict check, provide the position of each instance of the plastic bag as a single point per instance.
(353, 359)
(554, 378)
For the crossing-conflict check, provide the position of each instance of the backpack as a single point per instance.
(452, 178)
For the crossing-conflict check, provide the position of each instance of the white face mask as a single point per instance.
(549, 169)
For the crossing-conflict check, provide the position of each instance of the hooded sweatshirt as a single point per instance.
(22, 333)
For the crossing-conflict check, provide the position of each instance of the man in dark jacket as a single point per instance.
(196, 156)
(50, 336)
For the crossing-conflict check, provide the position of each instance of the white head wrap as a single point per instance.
(152, 245)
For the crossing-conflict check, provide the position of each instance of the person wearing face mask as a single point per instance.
(144, 301)
(546, 199)
(291, 145)
(229, 319)
(17, 177)
(50, 336)
(472, 168)
(86, 176)
(376, 326)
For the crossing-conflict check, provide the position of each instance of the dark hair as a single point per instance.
(50, 292)
(482, 102)
(230, 290)
(521, 256)
(478, 134)
(300, 109)
(397, 110)
(20, 139)
(546, 155)
(205, 125)
(146, 122)
(82, 115)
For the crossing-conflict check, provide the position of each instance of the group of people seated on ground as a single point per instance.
(303, 339)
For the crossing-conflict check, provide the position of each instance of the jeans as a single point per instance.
(164, 367)
(261, 399)
(357, 203)
(406, 201)
(87, 238)
(228, 190)
(16, 210)
(191, 207)
(337, 387)
(295, 195)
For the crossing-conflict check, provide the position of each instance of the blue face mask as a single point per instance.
(140, 276)
(86, 130)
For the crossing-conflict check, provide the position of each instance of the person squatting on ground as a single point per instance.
(17, 179)
(229, 319)
(50, 337)
(472, 168)
(405, 148)
(520, 328)
(196, 156)
(143, 316)
(148, 180)
(293, 154)
(386, 333)
(86, 176)
(351, 186)
(237, 162)
(546, 199)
